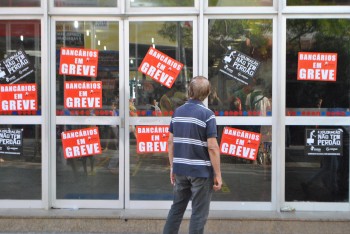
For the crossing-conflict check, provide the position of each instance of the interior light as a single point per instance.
(105, 47)
(21, 37)
(98, 42)
(76, 24)
(87, 33)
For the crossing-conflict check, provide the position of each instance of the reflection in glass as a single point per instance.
(221, 3)
(242, 48)
(21, 35)
(243, 179)
(317, 2)
(86, 3)
(149, 97)
(318, 177)
(20, 3)
(149, 173)
(97, 35)
(20, 162)
(89, 177)
(315, 97)
(161, 3)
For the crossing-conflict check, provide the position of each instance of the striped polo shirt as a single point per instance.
(191, 125)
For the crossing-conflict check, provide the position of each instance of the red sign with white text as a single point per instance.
(82, 94)
(152, 139)
(240, 143)
(160, 67)
(78, 62)
(314, 66)
(81, 142)
(18, 97)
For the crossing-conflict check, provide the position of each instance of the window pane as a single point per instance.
(240, 67)
(20, 67)
(149, 170)
(20, 3)
(317, 67)
(317, 2)
(80, 75)
(94, 176)
(85, 3)
(317, 163)
(245, 179)
(220, 3)
(161, 3)
(174, 41)
(20, 162)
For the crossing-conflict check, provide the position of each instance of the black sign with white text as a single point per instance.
(239, 66)
(11, 141)
(324, 142)
(15, 67)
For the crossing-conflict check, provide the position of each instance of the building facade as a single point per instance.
(88, 89)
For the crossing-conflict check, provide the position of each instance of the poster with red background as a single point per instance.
(240, 143)
(83, 94)
(152, 139)
(18, 97)
(315, 66)
(78, 62)
(160, 67)
(81, 142)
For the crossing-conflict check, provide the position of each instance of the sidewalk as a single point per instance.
(152, 221)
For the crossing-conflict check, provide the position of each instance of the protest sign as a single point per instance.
(323, 142)
(240, 143)
(160, 67)
(239, 66)
(78, 62)
(152, 139)
(15, 67)
(81, 143)
(82, 94)
(314, 66)
(11, 141)
(18, 97)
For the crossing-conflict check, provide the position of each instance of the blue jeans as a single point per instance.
(187, 187)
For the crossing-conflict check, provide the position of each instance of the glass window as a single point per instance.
(317, 163)
(317, 68)
(20, 67)
(86, 3)
(240, 67)
(80, 173)
(158, 91)
(20, 3)
(245, 166)
(161, 3)
(317, 2)
(149, 170)
(87, 73)
(221, 3)
(20, 162)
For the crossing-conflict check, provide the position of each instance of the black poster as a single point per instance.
(15, 67)
(239, 66)
(324, 142)
(11, 141)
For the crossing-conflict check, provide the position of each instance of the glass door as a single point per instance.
(87, 110)
(162, 60)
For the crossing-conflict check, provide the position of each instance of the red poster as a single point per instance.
(81, 142)
(240, 143)
(18, 97)
(152, 139)
(82, 94)
(314, 66)
(160, 67)
(78, 62)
